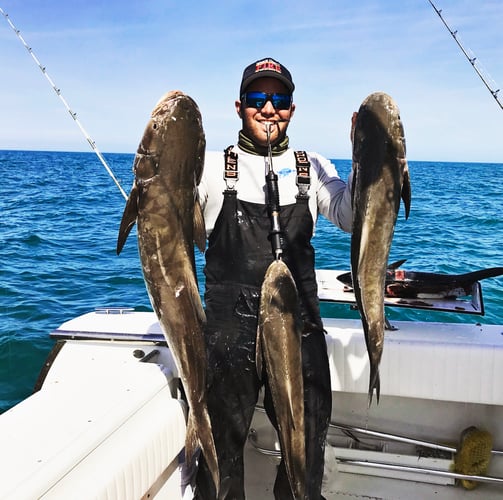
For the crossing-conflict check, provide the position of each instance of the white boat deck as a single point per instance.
(261, 470)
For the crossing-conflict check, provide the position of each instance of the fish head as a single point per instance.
(177, 124)
(378, 118)
(153, 141)
(378, 138)
(174, 128)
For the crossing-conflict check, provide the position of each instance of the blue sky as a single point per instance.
(112, 60)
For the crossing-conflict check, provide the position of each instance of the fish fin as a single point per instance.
(406, 191)
(396, 265)
(195, 298)
(204, 437)
(292, 419)
(190, 439)
(129, 217)
(374, 383)
(199, 227)
(259, 357)
(345, 279)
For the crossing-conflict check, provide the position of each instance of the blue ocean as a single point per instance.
(60, 214)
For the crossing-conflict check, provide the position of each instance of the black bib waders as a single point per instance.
(237, 257)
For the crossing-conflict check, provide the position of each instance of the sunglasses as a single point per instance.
(259, 99)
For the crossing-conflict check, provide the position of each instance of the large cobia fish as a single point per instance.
(279, 349)
(380, 179)
(168, 166)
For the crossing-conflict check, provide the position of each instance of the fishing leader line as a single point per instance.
(472, 60)
(63, 100)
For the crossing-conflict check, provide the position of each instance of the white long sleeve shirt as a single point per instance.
(328, 193)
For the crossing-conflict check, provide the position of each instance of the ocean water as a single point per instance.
(60, 214)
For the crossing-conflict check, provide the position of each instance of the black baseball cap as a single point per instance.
(266, 68)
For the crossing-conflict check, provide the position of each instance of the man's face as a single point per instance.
(255, 120)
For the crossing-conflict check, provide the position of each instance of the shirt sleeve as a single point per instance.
(333, 194)
(211, 187)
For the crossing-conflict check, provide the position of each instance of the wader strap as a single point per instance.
(231, 169)
(303, 177)
(302, 165)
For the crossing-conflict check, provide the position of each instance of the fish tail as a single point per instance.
(474, 276)
(190, 439)
(204, 437)
(374, 384)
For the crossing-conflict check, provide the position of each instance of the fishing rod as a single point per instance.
(271, 180)
(65, 103)
(472, 60)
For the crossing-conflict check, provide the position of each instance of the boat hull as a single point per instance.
(111, 393)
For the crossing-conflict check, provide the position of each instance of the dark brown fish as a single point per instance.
(414, 284)
(279, 349)
(168, 166)
(380, 179)
(425, 285)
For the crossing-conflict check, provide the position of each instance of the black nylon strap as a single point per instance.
(303, 178)
(231, 174)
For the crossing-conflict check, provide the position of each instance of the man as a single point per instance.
(233, 195)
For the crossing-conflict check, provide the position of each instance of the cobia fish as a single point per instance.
(424, 285)
(168, 166)
(380, 179)
(414, 284)
(279, 348)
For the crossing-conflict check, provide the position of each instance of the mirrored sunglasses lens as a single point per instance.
(281, 101)
(255, 99)
(258, 100)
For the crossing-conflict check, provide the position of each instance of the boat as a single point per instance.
(106, 419)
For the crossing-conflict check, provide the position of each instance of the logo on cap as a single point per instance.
(267, 65)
